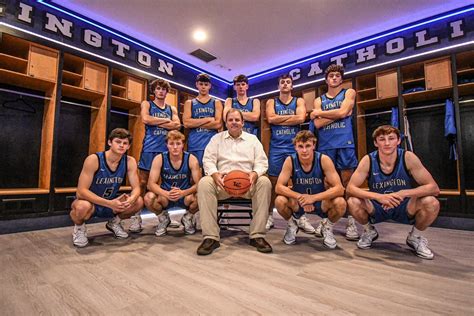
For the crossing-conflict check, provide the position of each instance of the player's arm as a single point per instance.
(227, 107)
(427, 185)
(253, 116)
(195, 173)
(272, 117)
(151, 120)
(91, 164)
(216, 123)
(190, 122)
(132, 174)
(174, 123)
(300, 114)
(345, 110)
(281, 187)
(358, 178)
(319, 122)
(331, 177)
(154, 180)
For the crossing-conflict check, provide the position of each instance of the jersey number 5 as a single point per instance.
(108, 192)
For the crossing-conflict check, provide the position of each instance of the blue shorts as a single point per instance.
(103, 212)
(343, 158)
(198, 154)
(398, 214)
(179, 203)
(275, 161)
(317, 211)
(146, 160)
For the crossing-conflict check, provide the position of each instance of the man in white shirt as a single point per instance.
(230, 150)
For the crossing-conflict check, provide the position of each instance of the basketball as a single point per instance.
(237, 183)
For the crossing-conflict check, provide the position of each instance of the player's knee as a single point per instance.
(82, 209)
(430, 203)
(281, 202)
(139, 204)
(149, 199)
(340, 204)
(354, 203)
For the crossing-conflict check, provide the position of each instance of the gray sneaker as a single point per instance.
(291, 231)
(269, 225)
(188, 222)
(79, 236)
(369, 235)
(319, 229)
(305, 226)
(135, 224)
(163, 223)
(328, 237)
(351, 229)
(115, 226)
(420, 245)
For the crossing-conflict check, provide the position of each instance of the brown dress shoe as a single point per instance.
(261, 244)
(207, 247)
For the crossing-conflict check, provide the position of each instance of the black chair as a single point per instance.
(232, 209)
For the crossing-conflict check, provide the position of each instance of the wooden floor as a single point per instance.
(42, 273)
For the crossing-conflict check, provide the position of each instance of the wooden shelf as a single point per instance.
(13, 63)
(466, 88)
(23, 80)
(470, 192)
(377, 103)
(125, 188)
(428, 95)
(450, 192)
(71, 75)
(80, 93)
(414, 80)
(65, 190)
(25, 191)
(118, 87)
(465, 71)
(366, 90)
(124, 103)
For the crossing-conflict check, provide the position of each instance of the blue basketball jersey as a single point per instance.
(310, 182)
(282, 135)
(198, 138)
(383, 183)
(249, 127)
(171, 177)
(106, 182)
(155, 136)
(339, 133)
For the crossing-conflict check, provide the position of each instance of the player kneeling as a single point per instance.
(173, 182)
(391, 171)
(309, 171)
(99, 183)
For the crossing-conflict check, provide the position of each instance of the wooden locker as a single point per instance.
(95, 77)
(438, 74)
(135, 89)
(43, 63)
(387, 85)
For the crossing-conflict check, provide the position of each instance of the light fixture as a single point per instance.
(199, 36)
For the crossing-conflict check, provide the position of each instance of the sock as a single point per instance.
(415, 231)
(367, 227)
(116, 219)
(328, 222)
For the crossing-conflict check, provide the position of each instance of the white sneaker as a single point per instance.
(319, 229)
(420, 245)
(115, 226)
(188, 222)
(135, 224)
(291, 231)
(79, 236)
(369, 235)
(163, 223)
(351, 230)
(269, 225)
(328, 236)
(305, 226)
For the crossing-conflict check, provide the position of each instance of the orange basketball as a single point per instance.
(237, 183)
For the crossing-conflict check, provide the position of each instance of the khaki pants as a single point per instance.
(209, 193)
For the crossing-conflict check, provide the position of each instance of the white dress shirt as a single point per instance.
(225, 153)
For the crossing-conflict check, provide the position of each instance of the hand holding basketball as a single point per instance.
(237, 183)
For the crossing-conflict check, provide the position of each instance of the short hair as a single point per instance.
(120, 133)
(334, 68)
(160, 83)
(233, 110)
(304, 136)
(203, 78)
(175, 135)
(285, 76)
(241, 78)
(385, 130)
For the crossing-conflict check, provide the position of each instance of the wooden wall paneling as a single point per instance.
(43, 63)
(137, 128)
(98, 125)
(265, 127)
(95, 77)
(387, 84)
(309, 95)
(438, 74)
(135, 89)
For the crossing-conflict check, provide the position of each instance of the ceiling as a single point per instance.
(249, 36)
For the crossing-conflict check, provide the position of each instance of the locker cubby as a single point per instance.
(465, 73)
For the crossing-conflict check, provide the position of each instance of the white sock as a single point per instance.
(415, 231)
(367, 226)
(116, 219)
(328, 223)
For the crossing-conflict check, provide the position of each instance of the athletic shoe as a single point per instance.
(305, 226)
(163, 223)
(135, 224)
(79, 236)
(174, 224)
(319, 229)
(291, 231)
(351, 229)
(369, 235)
(188, 222)
(115, 226)
(328, 236)
(270, 222)
(420, 245)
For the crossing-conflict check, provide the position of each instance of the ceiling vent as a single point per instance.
(203, 55)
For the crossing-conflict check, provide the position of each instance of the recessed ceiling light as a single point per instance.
(199, 35)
